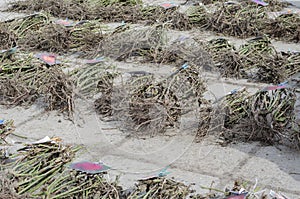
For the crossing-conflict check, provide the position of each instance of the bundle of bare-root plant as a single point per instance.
(38, 163)
(144, 104)
(171, 16)
(276, 5)
(7, 38)
(33, 22)
(23, 81)
(72, 9)
(263, 63)
(236, 108)
(266, 116)
(40, 172)
(198, 16)
(285, 27)
(254, 52)
(238, 19)
(86, 37)
(40, 32)
(292, 63)
(96, 79)
(6, 128)
(180, 51)
(73, 184)
(160, 187)
(139, 42)
(50, 37)
(225, 58)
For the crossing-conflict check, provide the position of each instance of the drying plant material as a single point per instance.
(144, 104)
(254, 53)
(205, 119)
(38, 164)
(267, 116)
(73, 184)
(72, 9)
(7, 190)
(276, 5)
(172, 17)
(114, 2)
(86, 37)
(30, 23)
(198, 16)
(159, 187)
(7, 38)
(105, 86)
(285, 27)
(93, 79)
(130, 43)
(6, 128)
(292, 63)
(236, 108)
(271, 70)
(225, 57)
(50, 37)
(23, 81)
(237, 19)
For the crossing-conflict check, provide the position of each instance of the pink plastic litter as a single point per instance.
(168, 5)
(89, 167)
(48, 58)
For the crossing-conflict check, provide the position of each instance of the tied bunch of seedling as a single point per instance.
(38, 164)
(6, 128)
(7, 38)
(236, 107)
(286, 27)
(225, 58)
(198, 16)
(75, 184)
(267, 115)
(237, 19)
(25, 80)
(130, 43)
(262, 62)
(171, 16)
(160, 187)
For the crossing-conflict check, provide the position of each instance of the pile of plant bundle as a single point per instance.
(160, 187)
(198, 16)
(238, 19)
(225, 57)
(171, 16)
(145, 104)
(140, 42)
(24, 80)
(285, 27)
(7, 38)
(72, 9)
(267, 115)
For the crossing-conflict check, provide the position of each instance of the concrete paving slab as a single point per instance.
(269, 175)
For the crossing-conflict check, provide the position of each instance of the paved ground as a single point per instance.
(276, 168)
